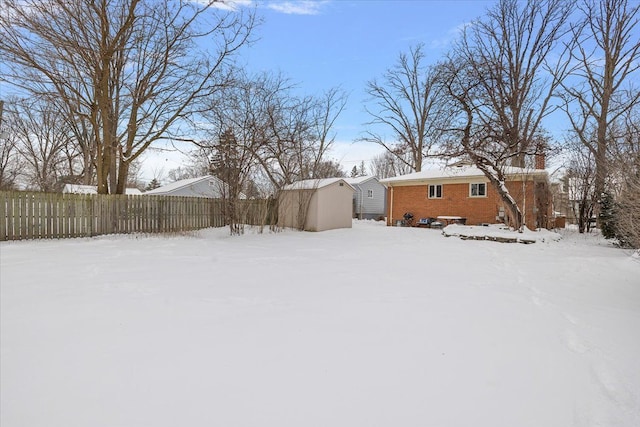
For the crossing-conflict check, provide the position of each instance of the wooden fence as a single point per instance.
(33, 215)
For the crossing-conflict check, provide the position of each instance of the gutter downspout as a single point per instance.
(524, 204)
(391, 206)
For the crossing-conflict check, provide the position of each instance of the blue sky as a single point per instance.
(345, 43)
(322, 44)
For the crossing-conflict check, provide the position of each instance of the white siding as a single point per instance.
(321, 209)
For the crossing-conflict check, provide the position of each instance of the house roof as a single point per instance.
(183, 183)
(457, 173)
(361, 179)
(80, 189)
(313, 184)
(92, 189)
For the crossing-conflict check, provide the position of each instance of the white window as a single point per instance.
(370, 194)
(435, 191)
(478, 190)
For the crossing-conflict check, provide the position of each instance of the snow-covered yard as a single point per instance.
(370, 326)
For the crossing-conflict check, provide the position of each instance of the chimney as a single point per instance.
(540, 160)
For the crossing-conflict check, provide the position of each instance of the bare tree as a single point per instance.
(625, 177)
(130, 70)
(328, 169)
(499, 87)
(580, 180)
(10, 166)
(197, 165)
(9, 162)
(235, 127)
(231, 163)
(286, 136)
(628, 214)
(134, 179)
(387, 165)
(42, 142)
(469, 140)
(324, 112)
(405, 102)
(509, 54)
(260, 130)
(298, 133)
(607, 54)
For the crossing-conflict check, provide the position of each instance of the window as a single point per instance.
(370, 194)
(478, 190)
(435, 191)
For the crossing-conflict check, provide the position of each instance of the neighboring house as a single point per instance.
(92, 189)
(464, 191)
(369, 198)
(562, 205)
(316, 204)
(205, 186)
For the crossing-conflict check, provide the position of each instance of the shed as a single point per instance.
(316, 204)
(369, 198)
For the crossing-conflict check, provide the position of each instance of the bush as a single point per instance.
(606, 217)
(627, 215)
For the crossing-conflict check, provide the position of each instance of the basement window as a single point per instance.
(478, 190)
(435, 191)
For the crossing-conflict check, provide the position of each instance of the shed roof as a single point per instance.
(312, 184)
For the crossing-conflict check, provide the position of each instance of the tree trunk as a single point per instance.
(123, 175)
(498, 183)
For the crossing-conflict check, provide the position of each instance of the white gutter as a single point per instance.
(391, 206)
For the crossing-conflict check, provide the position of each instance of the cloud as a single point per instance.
(450, 36)
(290, 7)
(302, 7)
(230, 5)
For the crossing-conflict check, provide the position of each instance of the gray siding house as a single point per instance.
(369, 199)
(205, 186)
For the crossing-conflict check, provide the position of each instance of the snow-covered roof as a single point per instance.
(457, 172)
(80, 189)
(92, 189)
(360, 179)
(312, 184)
(169, 188)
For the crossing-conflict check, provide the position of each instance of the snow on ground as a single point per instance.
(370, 326)
(500, 232)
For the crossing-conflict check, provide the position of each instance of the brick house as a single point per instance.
(464, 191)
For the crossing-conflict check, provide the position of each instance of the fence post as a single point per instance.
(4, 219)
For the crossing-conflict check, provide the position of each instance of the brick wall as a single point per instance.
(456, 201)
